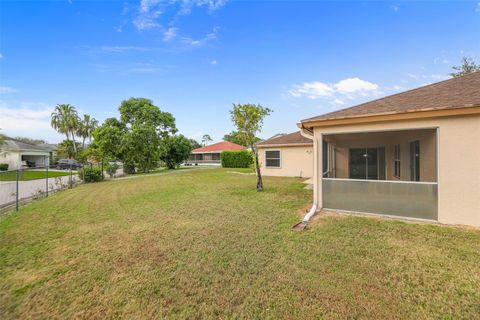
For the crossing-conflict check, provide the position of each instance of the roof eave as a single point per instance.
(306, 144)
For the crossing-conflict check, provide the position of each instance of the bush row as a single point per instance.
(3, 166)
(236, 159)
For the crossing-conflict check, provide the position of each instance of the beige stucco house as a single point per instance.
(286, 155)
(18, 154)
(414, 154)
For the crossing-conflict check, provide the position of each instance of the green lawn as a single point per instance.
(30, 175)
(205, 244)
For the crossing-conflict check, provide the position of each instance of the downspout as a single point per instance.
(307, 133)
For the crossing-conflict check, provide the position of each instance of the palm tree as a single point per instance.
(86, 127)
(206, 139)
(65, 120)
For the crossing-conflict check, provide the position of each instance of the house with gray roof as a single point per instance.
(18, 154)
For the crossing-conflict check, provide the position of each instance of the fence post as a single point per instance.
(47, 162)
(16, 192)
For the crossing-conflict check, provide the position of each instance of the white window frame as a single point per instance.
(279, 159)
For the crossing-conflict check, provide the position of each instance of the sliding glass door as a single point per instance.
(367, 163)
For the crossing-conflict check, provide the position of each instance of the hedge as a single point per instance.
(3, 166)
(236, 159)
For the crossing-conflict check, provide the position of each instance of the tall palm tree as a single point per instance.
(206, 139)
(86, 127)
(65, 121)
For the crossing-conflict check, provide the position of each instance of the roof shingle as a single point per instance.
(294, 138)
(453, 93)
(11, 144)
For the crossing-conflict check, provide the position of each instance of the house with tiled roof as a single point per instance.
(414, 154)
(286, 155)
(211, 154)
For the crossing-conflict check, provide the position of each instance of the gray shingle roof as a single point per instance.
(10, 144)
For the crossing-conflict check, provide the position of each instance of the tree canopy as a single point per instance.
(248, 119)
(468, 65)
(136, 138)
(195, 144)
(236, 137)
(65, 120)
(176, 149)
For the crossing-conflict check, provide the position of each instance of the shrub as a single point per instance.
(236, 159)
(93, 174)
(128, 168)
(176, 149)
(3, 166)
(111, 169)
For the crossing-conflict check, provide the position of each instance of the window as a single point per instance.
(367, 163)
(272, 159)
(396, 161)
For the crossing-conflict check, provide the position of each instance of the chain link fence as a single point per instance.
(22, 185)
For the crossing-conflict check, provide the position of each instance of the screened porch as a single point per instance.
(390, 172)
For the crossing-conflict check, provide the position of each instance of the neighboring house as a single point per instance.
(53, 148)
(211, 154)
(13, 152)
(286, 155)
(414, 154)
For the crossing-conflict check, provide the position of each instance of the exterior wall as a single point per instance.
(295, 161)
(12, 158)
(458, 162)
(428, 152)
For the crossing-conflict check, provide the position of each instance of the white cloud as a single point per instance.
(198, 42)
(170, 33)
(355, 85)
(144, 22)
(477, 9)
(150, 10)
(149, 13)
(1, 56)
(336, 93)
(4, 90)
(214, 62)
(27, 119)
(430, 77)
(122, 49)
(312, 90)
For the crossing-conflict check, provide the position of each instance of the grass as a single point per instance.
(30, 175)
(205, 244)
(158, 170)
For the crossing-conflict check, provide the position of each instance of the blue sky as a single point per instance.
(195, 58)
